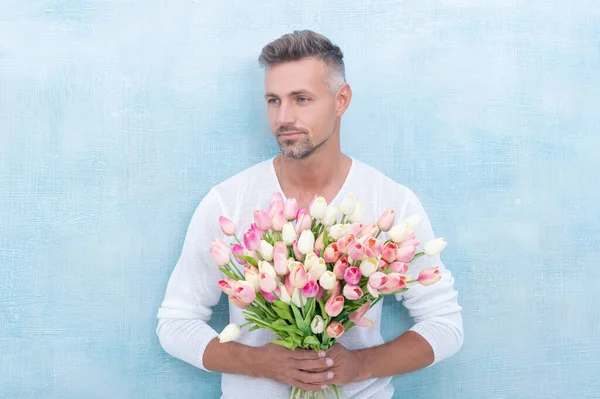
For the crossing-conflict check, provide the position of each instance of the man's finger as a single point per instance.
(314, 364)
(307, 354)
(313, 378)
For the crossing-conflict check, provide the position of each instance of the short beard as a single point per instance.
(301, 148)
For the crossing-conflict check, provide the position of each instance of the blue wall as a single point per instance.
(116, 117)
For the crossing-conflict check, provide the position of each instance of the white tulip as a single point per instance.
(327, 280)
(267, 268)
(399, 232)
(434, 247)
(310, 260)
(348, 205)
(297, 298)
(318, 208)
(413, 221)
(252, 279)
(229, 333)
(265, 250)
(284, 296)
(289, 234)
(306, 242)
(318, 268)
(330, 215)
(357, 215)
(337, 231)
(317, 326)
(368, 266)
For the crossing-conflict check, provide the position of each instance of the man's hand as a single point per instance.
(305, 369)
(347, 365)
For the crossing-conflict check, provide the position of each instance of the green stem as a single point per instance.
(417, 256)
(238, 240)
(378, 233)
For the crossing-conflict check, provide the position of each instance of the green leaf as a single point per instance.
(254, 328)
(311, 340)
(287, 344)
(309, 309)
(258, 311)
(248, 259)
(284, 314)
(228, 273)
(304, 327)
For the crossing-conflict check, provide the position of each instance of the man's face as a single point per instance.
(300, 107)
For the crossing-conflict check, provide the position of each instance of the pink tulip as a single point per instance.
(298, 277)
(336, 290)
(352, 275)
(429, 276)
(297, 254)
(320, 294)
(339, 269)
(237, 249)
(280, 248)
(227, 226)
(303, 221)
(344, 242)
(288, 285)
(378, 280)
(238, 303)
(334, 330)
(356, 251)
(251, 240)
(389, 252)
(395, 283)
(375, 245)
(280, 264)
(399, 267)
(331, 254)
(386, 221)
(278, 221)
(319, 245)
(270, 296)
(356, 229)
(227, 285)
(262, 220)
(290, 209)
(220, 252)
(266, 282)
(382, 265)
(407, 249)
(334, 305)
(369, 230)
(311, 287)
(258, 231)
(275, 205)
(244, 291)
(357, 317)
(352, 292)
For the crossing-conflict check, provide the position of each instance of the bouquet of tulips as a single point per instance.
(309, 277)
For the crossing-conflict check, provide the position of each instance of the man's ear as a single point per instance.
(343, 98)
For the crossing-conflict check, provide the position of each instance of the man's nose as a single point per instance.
(286, 115)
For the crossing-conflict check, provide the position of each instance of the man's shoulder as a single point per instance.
(256, 172)
(373, 175)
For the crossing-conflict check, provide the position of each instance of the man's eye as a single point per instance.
(303, 99)
(272, 101)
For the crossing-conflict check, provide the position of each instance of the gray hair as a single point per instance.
(306, 44)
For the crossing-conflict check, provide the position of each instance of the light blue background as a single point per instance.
(116, 117)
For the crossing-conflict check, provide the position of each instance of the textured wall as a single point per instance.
(117, 116)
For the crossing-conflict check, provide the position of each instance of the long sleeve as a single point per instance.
(192, 289)
(434, 309)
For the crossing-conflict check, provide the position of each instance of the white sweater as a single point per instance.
(192, 288)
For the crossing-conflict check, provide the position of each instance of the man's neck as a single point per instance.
(322, 173)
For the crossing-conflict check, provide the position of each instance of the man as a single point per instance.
(306, 95)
